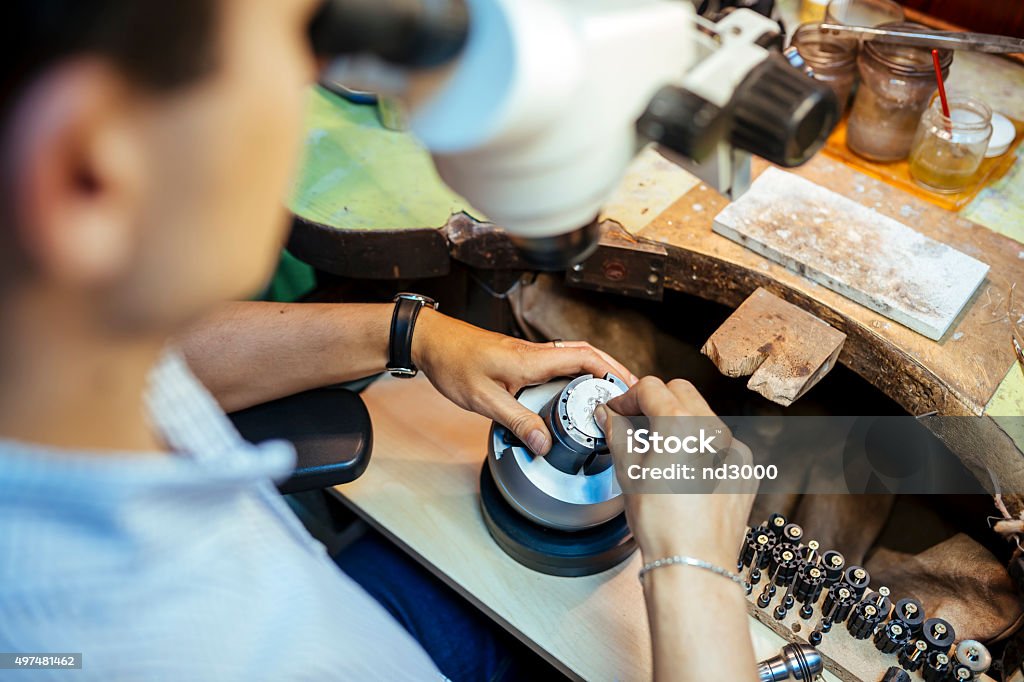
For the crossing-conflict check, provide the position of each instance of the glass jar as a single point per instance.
(896, 85)
(947, 151)
(863, 12)
(833, 59)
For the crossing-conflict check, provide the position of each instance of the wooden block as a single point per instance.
(853, 250)
(784, 349)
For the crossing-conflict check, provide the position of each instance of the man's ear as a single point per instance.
(75, 177)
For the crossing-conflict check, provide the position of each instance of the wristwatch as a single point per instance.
(403, 323)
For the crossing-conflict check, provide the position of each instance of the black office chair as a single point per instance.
(329, 427)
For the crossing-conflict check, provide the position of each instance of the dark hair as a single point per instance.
(160, 44)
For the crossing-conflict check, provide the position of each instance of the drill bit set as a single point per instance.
(799, 586)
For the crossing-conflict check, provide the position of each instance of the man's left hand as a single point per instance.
(482, 371)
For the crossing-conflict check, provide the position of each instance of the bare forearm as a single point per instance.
(251, 352)
(698, 626)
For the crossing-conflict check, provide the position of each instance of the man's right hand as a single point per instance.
(698, 620)
(705, 526)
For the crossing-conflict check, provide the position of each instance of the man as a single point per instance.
(144, 151)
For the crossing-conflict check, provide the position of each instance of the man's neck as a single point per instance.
(63, 385)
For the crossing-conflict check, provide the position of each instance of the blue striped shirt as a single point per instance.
(186, 567)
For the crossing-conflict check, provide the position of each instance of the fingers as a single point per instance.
(547, 362)
(603, 416)
(690, 398)
(651, 397)
(619, 369)
(528, 426)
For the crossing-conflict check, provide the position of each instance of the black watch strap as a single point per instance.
(403, 325)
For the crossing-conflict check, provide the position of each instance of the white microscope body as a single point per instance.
(536, 119)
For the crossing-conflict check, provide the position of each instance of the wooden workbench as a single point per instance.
(959, 374)
(369, 204)
(404, 228)
(361, 184)
(420, 490)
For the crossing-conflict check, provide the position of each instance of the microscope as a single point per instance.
(532, 110)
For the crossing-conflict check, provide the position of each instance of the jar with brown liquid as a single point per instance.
(897, 83)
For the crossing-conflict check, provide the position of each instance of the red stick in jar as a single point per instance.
(942, 87)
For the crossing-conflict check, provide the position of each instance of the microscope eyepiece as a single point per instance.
(412, 33)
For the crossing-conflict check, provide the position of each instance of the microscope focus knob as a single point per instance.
(684, 122)
(781, 114)
(416, 33)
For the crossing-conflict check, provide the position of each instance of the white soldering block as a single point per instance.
(855, 251)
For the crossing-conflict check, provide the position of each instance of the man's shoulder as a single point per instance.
(241, 601)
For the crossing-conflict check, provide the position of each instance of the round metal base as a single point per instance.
(551, 551)
(574, 485)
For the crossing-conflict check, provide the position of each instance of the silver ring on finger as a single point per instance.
(557, 343)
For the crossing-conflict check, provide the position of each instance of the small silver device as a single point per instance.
(561, 513)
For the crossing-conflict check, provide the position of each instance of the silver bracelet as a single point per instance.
(696, 563)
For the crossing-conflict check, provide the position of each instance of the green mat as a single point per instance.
(357, 175)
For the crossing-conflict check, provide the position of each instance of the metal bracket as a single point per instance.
(622, 264)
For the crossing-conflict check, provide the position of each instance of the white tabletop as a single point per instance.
(420, 490)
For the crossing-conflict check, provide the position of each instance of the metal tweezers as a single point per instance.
(943, 40)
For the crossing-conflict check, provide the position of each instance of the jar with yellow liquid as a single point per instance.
(947, 150)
